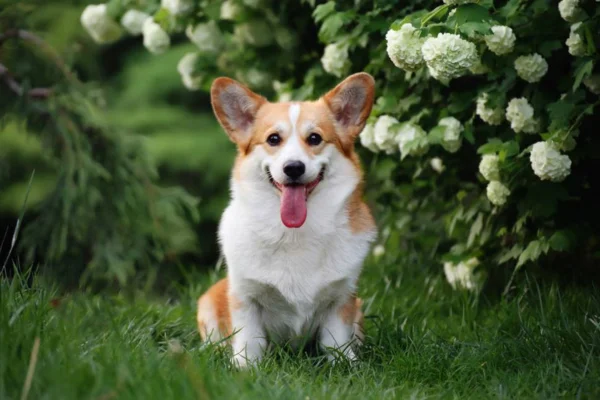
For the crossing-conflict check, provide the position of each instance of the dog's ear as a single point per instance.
(235, 107)
(350, 103)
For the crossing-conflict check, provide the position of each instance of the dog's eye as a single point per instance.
(274, 139)
(314, 139)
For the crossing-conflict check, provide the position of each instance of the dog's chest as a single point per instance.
(295, 275)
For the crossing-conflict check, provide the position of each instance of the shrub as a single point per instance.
(462, 85)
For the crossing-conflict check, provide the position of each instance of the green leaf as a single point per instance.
(475, 229)
(549, 46)
(492, 146)
(560, 241)
(471, 13)
(331, 26)
(583, 70)
(323, 11)
(436, 135)
(532, 252)
(468, 133)
(475, 28)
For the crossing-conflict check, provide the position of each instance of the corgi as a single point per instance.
(296, 231)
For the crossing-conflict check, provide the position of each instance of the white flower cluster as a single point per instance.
(231, 11)
(531, 68)
(489, 167)
(378, 251)
(384, 136)
(570, 11)
(206, 36)
(575, 42)
(452, 140)
(412, 139)
(177, 7)
(156, 40)
(133, 21)
(592, 83)
(448, 56)
(367, 138)
(256, 33)
(437, 165)
(497, 193)
(491, 116)
(501, 41)
(255, 78)
(547, 162)
(520, 115)
(404, 47)
(99, 24)
(463, 276)
(186, 67)
(335, 59)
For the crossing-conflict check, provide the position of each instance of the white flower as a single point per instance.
(367, 138)
(133, 21)
(99, 25)
(520, 115)
(385, 137)
(378, 250)
(192, 79)
(404, 48)
(531, 68)
(156, 40)
(452, 139)
(412, 140)
(501, 41)
(575, 42)
(570, 11)
(283, 91)
(230, 10)
(255, 78)
(178, 7)
(256, 33)
(458, 2)
(462, 275)
(448, 56)
(491, 116)
(335, 59)
(592, 83)
(497, 193)
(547, 162)
(488, 167)
(437, 165)
(206, 36)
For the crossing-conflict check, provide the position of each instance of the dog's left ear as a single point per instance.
(350, 103)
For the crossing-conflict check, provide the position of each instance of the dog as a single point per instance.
(296, 231)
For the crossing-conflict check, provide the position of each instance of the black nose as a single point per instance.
(294, 169)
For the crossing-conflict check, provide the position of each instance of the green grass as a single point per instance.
(424, 341)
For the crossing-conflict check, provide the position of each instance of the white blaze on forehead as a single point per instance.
(294, 113)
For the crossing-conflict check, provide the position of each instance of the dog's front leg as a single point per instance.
(337, 333)
(249, 341)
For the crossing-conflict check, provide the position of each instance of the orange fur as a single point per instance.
(214, 305)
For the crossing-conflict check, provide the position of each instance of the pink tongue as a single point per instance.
(293, 206)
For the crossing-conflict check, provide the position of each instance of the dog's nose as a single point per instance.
(294, 169)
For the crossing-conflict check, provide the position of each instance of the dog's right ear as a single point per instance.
(235, 107)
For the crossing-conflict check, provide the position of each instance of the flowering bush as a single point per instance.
(482, 138)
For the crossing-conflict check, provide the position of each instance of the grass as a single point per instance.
(424, 341)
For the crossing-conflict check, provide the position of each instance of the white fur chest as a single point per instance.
(295, 275)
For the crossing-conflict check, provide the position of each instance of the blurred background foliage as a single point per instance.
(140, 104)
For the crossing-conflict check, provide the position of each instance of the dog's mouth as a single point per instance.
(294, 196)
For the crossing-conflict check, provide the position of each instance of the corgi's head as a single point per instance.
(290, 151)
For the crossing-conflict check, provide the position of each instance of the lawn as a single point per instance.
(424, 341)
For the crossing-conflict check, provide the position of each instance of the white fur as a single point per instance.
(291, 282)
